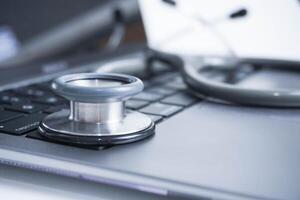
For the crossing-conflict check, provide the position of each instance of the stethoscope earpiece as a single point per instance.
(97, 114)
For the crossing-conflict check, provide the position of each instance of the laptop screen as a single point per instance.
(198, 27)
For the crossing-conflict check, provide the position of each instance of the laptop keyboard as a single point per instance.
(23, 108)
(164, 96)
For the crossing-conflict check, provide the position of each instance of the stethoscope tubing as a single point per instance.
(226, 91)
(239, 95)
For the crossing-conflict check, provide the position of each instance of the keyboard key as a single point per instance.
(44, 85)
(22, 125)
(161, 90)
(8, 98)
(176, 83)
(26, 108)
(30, 91)
(155, 118)
(5, 98)
(8, 115)
(147, 96)
(51, 100)
(162, 79)
(136, 104)
(181, 99)
(161, 109)
(56, 108)
(146, 84)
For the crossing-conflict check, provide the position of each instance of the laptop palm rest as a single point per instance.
(243, 151)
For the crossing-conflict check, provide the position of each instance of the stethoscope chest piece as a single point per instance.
(97, 114)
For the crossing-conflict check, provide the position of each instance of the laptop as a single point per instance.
(201, 149)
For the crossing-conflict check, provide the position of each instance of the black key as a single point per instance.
(30, 91)
(26, 108)
(181, 99)
(161, 109)
(4, 99)
(22, 125)
(8, 115)
(161, 90)
(51, 100)
(56, 108)
(147, 96)
(155, 118)
(162, 79)
(176, 83)
(136, 104)
(9, 98)
(147, 84)
(44, 85)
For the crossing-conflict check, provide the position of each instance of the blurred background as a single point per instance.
(22, 21)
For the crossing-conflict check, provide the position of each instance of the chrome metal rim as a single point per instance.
(135, 126)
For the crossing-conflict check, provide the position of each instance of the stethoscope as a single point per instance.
(97, 113)
(190, 69)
